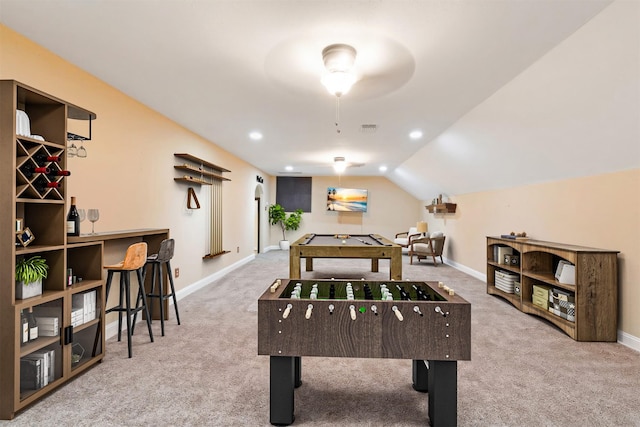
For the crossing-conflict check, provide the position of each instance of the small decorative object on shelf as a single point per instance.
(25, 236)
(515, 236)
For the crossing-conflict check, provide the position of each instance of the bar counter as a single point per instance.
(115, 245)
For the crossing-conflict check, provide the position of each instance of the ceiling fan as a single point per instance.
(340, 164)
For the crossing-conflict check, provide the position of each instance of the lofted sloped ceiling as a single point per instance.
(226, 68)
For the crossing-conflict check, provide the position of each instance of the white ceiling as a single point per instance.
(225, 68)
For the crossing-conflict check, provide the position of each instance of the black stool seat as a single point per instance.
(134, 260)
(155, 261)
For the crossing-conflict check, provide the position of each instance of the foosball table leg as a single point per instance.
(420, 376)
(298, 371)
(443, 393)
(281, 385)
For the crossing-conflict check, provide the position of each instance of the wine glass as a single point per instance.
(93, 215)
(72, 151)
(82, 214)
(82, 152)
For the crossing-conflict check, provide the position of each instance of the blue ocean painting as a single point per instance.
(347, 199)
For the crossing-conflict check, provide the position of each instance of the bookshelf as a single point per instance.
(594, 296)
(34, 368)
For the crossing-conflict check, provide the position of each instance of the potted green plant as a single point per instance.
(29, 275)
(277, 216)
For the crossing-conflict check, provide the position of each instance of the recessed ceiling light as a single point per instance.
(288, 168)
(382, 168)
(416, 134)
(256, 136)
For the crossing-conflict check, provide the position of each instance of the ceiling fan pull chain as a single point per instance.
(337, 114)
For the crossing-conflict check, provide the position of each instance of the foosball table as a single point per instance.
(423, 321)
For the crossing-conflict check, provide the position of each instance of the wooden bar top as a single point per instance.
(118, 234)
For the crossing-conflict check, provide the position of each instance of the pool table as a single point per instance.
(371, 246)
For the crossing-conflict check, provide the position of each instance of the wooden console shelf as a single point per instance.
(441, 208)
(594, 294)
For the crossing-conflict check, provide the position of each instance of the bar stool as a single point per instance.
(155, 261)
(134, 260)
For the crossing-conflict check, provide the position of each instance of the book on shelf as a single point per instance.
(30, 373)
(37, 369)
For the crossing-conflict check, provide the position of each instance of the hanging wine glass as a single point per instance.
(82, 214)
(93, 215)
(72, 151)
(82, 152)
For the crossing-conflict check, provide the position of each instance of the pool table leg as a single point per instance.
(294, 263)
(374, 265)
(395, 267)
(309, 266)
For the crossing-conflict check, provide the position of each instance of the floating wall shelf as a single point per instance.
(442, 208)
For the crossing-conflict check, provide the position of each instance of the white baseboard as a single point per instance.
(272, 248)
(111, 329)
(466, 270)
(629, 340)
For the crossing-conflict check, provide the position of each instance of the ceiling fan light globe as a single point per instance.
(340, 166)
(338, 82)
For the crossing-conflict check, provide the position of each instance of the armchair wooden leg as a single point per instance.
(435, 262)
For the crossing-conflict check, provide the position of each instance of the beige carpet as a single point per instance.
(206, 372)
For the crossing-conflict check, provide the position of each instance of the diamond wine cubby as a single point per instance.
(38, 167)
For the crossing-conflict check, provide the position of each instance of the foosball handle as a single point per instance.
(352, 309)
(307, 315)
(287, 311)
(397, 312)
(275, 285)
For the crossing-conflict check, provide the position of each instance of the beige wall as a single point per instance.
(600, 211)
(128, 173)
(390, 209)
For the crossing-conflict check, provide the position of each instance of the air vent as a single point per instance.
(368, 128)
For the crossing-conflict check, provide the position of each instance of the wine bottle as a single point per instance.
(56, 173)
(42, 158)
(24, 328)
(73, 219)
(33, 325)
(29, 169)
(42, 184)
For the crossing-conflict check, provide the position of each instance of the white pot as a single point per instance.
(284, 245)
(24, 291)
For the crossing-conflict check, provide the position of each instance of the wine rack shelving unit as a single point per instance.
(39, 201)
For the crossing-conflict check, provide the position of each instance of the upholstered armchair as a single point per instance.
(405, 238)
(424, 247)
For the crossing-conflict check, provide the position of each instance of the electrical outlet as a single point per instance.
(237, 249)
(177, 273)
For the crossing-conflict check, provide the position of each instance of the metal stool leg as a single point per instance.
(120, 304)
(161, 296)
(173, 291)
(139, 299)
(128, 309)
(144, 303)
